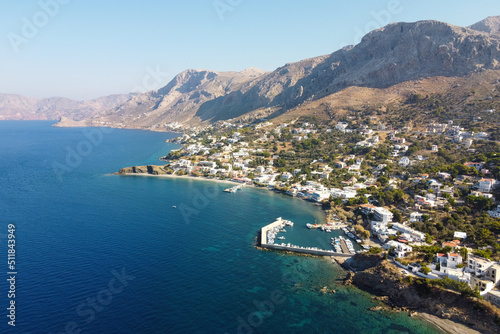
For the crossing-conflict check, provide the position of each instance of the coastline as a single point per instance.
(444, 325)
(183, 177)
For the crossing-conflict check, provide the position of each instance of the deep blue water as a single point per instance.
(189, 269)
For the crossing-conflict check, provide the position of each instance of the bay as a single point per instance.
(104, 253)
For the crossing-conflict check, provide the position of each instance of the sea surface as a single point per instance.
(102, 253)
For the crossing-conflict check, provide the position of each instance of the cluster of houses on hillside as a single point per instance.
(476, 271)
(480, 273)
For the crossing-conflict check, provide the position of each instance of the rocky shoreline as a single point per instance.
(450, 311)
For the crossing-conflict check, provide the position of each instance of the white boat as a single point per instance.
(281, 238)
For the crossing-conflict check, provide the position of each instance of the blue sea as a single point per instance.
(103, 253)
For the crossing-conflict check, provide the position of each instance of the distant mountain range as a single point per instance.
(394, 54)
(17, 107)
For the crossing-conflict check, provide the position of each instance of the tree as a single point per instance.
(463, 253)
(425, 270)
(486, 253)
(397, 216)
(383, 180)
(375, 250)
(362, 232)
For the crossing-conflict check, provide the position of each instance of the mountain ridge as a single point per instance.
(396, 53)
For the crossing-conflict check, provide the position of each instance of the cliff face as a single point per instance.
(383, 279)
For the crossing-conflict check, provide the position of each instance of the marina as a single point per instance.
(280, 235)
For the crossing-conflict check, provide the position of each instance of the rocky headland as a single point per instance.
(381, 278)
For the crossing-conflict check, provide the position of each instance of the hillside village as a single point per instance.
(426, 195)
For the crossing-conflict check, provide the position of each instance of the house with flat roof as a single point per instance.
(493, 297)
(478, 265)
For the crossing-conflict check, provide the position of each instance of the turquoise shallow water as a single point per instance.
(103, 253)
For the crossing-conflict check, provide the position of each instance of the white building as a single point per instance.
(478, 265)
(408, 232)
(382, 214)
(495, 213)
(404, 161)
(486, 185)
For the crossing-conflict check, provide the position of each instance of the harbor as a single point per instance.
(284, 235)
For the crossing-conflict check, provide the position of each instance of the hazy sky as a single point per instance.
(84, 49)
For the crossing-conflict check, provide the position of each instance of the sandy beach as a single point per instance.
(186, 177)
(446, 325)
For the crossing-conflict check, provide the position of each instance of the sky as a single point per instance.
(84, 49)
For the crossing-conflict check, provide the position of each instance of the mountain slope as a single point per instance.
(179, 100)
(396, 53)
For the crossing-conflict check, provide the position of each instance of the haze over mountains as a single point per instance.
(394, 54)
(17, 107)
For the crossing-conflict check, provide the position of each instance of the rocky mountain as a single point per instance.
(490, 25)
(179, 100)
(394, 54)
(17, 107)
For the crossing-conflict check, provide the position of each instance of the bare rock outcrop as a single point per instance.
(149, 169)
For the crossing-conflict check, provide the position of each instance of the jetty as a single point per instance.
(268, 236)
(234, 189)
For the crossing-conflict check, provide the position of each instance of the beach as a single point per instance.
(446, 325)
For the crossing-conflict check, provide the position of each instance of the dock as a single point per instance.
(234, 189)
(345, 250)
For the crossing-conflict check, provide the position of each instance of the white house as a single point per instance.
(408, 232)
(415, 217)
(404, 161)
(478, 265)
(319, 196)
(401, 249)
(341, 126)
(495, 213)
(382, 214)
(486, 185)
